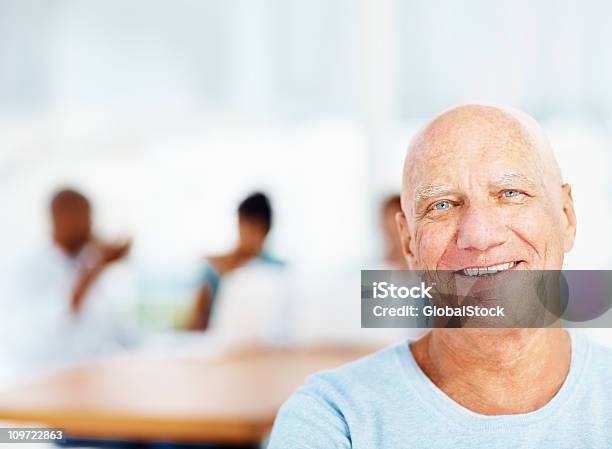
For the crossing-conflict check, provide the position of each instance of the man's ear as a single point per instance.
(569, 222)
(405, 239)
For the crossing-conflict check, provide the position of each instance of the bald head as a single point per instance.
(480, 129)
(472, 173)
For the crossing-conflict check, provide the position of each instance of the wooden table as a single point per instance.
(230, 399)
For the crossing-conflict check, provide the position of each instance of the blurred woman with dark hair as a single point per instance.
(254, 223)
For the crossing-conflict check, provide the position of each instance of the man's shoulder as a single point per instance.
(325, 410)
(600, 358)
(375, 371)
(592, 364)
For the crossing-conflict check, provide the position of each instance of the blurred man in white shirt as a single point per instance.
(66, 301)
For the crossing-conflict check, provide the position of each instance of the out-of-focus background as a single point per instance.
(166, 115)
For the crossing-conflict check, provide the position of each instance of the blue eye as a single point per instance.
(510, 193)
(442, 205)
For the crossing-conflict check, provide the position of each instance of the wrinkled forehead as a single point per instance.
(476, 142)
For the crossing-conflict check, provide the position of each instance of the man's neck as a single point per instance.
(496, 371)
(71, 251)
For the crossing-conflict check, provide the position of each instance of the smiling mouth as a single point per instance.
(488, 271)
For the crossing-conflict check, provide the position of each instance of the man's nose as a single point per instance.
(480, 229)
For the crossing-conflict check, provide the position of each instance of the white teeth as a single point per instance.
(480, 271)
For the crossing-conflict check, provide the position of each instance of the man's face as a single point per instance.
(478, 193)
(72, 226)
(251, 233)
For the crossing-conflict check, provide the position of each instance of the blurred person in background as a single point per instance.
(341, 297)
(85, 257)
(393, 258)
(254, 224)
(67, 299)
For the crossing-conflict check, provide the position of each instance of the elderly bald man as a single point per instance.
(481, 188)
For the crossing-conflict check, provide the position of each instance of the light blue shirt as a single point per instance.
(385, 401)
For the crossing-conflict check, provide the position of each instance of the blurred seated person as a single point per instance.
(393, 258)
(253, 308)
(315, 328)
(65, 303)
(254, 224)
(85, 256)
